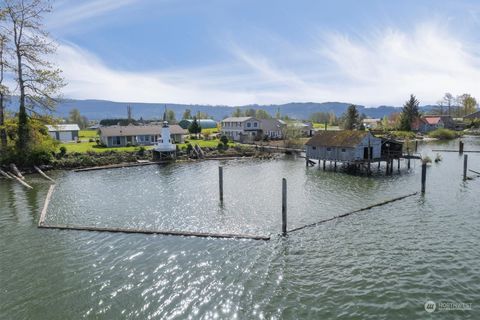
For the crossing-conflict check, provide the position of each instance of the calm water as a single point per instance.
(382, 263)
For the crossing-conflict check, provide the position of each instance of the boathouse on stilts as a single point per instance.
(355, 150)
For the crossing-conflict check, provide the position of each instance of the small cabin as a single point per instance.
(344, 146)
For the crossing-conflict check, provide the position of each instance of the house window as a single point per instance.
(343, 150)
(116, 141)
(255, 124)
(249, 125)
(329, 149)
(314, 148)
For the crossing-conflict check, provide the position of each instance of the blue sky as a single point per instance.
(236, 52)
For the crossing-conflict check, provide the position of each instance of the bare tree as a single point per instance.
(38, 80)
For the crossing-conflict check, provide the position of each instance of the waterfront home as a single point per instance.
(64, 132)
(272, 128)
(304, 128)
(243, 129)
(204, 123)
(344, 145)
(121, 136)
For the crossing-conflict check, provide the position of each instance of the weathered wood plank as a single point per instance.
(43, 215)
(43, 173)
(162, 232)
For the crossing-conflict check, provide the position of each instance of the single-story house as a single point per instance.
(204, 123)
(243, 129)
(344, 145)
(305, 128)
(429, 123)
(272, 128)
(64, 132)
(121, 136)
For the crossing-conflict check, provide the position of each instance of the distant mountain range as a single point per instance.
(102, 109)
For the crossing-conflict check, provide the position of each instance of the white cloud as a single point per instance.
(383, 68)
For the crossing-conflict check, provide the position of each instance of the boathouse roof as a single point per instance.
(63, 127)
(343, 138)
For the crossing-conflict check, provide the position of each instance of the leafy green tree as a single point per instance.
(237, 113)
(187, 114)
(76, 117)
(468, 104)
(409, 113)
(262, 114)
(38, 81)
(3, 91)
(351, 118)
(195, 127)
(250, 113)
(171, 117)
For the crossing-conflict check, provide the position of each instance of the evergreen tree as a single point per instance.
(171, 117)
(195, 127)
(351, 118)
(237, 113)
(410, 112)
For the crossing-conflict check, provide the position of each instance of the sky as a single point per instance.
(239, 52)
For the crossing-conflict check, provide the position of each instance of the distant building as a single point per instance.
(429, 123)
(305, 128)
(121, 136)
(371, 123)
(204, 123)
(272, 128)
(344, 145)
(64, 132)
(243, 129)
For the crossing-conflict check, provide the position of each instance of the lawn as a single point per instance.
(204, 143)
(88, 134)
(83, 147)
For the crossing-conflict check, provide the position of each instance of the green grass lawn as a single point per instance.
(83, 147)
(88, 134)
(204, 143)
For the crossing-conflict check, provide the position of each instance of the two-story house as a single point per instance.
(243, 129)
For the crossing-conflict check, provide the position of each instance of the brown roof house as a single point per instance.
(345, 145)
(122, 136)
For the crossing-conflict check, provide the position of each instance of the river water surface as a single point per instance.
(382, 263)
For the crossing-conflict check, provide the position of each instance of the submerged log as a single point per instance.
(5, 174)
(17, 172)
(43, 173)
(21, 181)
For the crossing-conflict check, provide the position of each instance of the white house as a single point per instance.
(121, 136)
(64, 132)
(241, 128)
(345, 145)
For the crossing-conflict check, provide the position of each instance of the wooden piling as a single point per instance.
(465, 161)
(460, 147)
(416, 145)
(398, 164)
(284, 207)
(324, 164)
(424, 176)
(387, 170)
(220, 182)
(408, 163)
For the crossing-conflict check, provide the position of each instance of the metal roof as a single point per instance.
(113, 131)
(344, 138)
(237, 119)
(63, 127)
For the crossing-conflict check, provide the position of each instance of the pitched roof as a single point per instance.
(63, 127)
(139, 130)
(343, 138)
(237, 119)
(432, 120)
(474, 115)
(270, 124)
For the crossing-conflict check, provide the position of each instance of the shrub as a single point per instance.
(141, 151)
(189, 148)
(63, 152)
(224, 140)
(91, 140)
(444, 134)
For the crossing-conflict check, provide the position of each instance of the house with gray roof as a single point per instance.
(131, 135)
(243, 129)
(64, 132)
(272, 128)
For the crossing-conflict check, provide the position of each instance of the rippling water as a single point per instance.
(382, 263)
